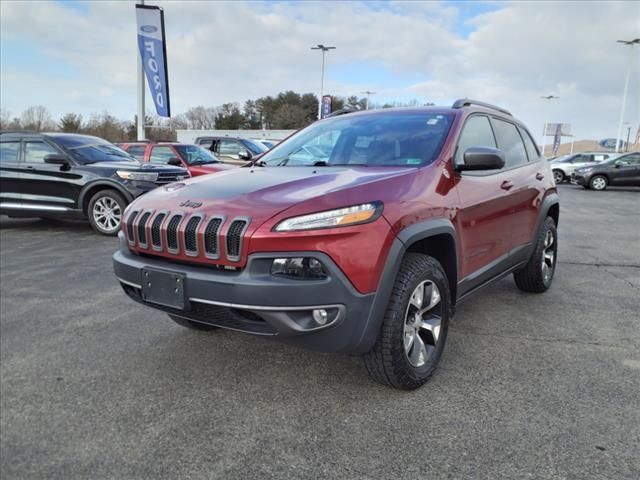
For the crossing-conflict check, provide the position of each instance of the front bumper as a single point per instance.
(252, 300)
(578, 179)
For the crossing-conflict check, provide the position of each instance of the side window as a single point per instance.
(532, 151)
(161, 155)
(34, 152)
(633, 159)
(137, 151)
(230, 147)
(510, 143)
(477, 132)
(9, 152)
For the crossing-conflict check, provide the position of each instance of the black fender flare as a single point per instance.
(404, 239)
(550, 200)
(107, 184)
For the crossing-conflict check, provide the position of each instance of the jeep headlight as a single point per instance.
(137, 176)
(341, 217)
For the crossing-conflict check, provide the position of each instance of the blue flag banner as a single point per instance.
(153, 51)
(326, 106)
(556, 139)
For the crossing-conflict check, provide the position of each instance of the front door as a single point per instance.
(10, 173)
(627, 171)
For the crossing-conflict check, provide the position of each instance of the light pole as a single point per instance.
(367, 93)
(324, 50)
(141, 110)
(544, 128)
(631, 43)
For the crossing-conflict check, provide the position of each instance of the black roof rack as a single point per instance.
(467, 102)
(343, 111)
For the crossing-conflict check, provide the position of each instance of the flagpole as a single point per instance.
(141, 112)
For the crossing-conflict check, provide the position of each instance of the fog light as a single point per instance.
(320, 316)
(298, 267)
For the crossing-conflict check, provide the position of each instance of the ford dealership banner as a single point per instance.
(152, 45)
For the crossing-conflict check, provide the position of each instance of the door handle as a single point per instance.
(29, 167)
(539, 176)
(506, 185)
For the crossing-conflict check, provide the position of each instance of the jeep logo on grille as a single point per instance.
(190, 204)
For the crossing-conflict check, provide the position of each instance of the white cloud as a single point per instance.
(222, 51)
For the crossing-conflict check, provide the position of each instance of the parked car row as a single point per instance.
(564, 166)
(623, 170)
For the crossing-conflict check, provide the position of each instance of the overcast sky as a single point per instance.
(74, 56)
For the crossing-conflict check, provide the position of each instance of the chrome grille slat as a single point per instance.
(129, 224)
(172, 233)
(212, 238)
(156, 232)
(234, 238)
(141, 227)
(191, 235)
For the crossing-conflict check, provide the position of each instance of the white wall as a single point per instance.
(189, 136)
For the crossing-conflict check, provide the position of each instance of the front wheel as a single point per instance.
(537, 274)
(105, 212)
(414, 328)
(558, 176)
(598, 182)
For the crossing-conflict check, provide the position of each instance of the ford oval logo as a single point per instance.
(149, 28)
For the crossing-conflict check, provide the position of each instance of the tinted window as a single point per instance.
(137, 151)
(161, 155)
(196, 155)
(532, 152)
(477, 132)
(632, 159)
(9, 152)
(34, 152)
(510, 143)
(400, 138)
(254, 147)
(229, 147)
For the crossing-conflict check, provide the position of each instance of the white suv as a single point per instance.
(563, 167)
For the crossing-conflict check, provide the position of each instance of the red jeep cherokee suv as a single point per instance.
(363, 244)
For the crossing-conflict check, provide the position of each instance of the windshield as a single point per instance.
(255, 147)
(398, 138)
(196, 155)
(86, 149)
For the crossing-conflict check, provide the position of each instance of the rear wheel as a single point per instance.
(558, 176)
(414, 329)
(105, 212)
(191, 324)
(598, 182)
(537, 274)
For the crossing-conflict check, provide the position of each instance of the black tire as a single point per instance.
(389, 361)
(110, 197)
(598, 182)
(558, 176)
(191, 325)
(533, 277)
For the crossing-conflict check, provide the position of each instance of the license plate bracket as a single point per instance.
(164, 288)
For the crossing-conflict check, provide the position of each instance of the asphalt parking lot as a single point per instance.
(96, 386)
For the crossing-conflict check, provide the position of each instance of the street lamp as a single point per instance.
(367, 93)
(324, 50)
(631, 43)
(544, 128)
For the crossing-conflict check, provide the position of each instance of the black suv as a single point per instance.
(232, 150)
(73, 176)
(623, 171)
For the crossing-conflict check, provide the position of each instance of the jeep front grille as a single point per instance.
(179, 233)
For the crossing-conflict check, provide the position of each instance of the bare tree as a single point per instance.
(201, 118)
(37, 118)
(5, 118)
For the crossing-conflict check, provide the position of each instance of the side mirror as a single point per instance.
(482, 158)
(175, 161)
(56, 159)
(244, 155)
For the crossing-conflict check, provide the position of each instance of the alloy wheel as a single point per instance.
(107, 214)
(548, 256)
(422, 325)
(598, 183)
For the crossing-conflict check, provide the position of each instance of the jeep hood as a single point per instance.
(261, 192)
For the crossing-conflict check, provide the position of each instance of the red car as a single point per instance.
(363, 244)
(196, 159)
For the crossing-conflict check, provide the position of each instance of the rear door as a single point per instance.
(46, 186)
(10, 171)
